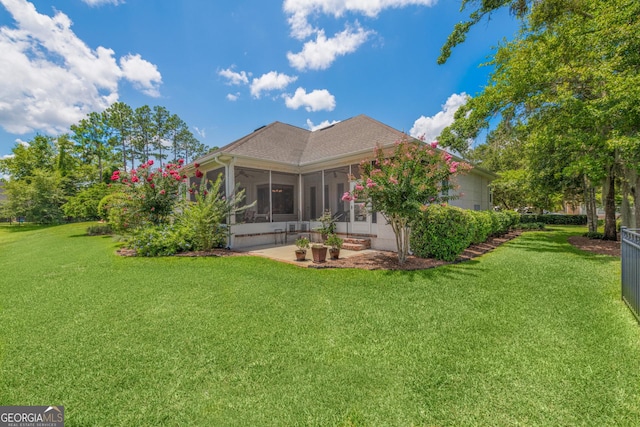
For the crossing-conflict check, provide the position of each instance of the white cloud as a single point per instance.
(235, 78)
(270, 81)
(319, 126)
(23, 143)
(143, 74)
(431, 127)
(201, 133)
(233, 97)
(49, 78)
(299, 11)
(6, 156)
(101, 2)
(317, 100)
(320, 53)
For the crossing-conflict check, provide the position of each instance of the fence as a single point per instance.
(631, 269)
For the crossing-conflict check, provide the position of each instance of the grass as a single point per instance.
(533, 333)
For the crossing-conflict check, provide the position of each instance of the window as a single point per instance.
(282, 199)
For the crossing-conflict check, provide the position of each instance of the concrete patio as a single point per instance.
(286, 253)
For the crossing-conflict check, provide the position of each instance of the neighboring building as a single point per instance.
(294, 174)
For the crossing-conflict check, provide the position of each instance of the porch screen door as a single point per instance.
(360, 217)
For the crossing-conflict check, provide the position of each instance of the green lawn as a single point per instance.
(533, 333)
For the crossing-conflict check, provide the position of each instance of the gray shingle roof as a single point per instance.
(351, 136)
(296, 146)
(277, 142)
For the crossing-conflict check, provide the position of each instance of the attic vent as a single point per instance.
(325, 128)
(260, 128)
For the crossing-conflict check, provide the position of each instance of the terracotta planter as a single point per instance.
(319, 254)
(301, 255)
(334, 253)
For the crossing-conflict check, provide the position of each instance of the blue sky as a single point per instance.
(229, 67)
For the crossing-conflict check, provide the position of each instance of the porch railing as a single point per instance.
(630, 258)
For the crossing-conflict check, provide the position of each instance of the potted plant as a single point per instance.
(328, 225)
(302, 244)
(335, 244)
(319, 252)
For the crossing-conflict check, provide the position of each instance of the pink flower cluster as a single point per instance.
(199, 173)
(453, 167)
(347, 197)
(143, 174)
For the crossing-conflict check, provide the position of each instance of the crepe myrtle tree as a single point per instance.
(152, 193)
(401, 183)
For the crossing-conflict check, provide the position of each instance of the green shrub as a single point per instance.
(103, 207)
(531, 226)
(483, 225)
(503, 223)
(84, 205)
(99, 230)
(122, 214)
(161, 240)
(555, 219)
(206, 215)
(594, 235)
(442, 232)
(514, 218)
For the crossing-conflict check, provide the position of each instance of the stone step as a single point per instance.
(353, 247)
(351, 244)
(366, 242)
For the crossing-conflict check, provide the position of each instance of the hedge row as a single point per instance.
(444, 232)
(555, 219)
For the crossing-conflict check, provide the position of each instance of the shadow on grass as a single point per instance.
(89, 235)
(19, 228)
(556, 242)
(465, 270)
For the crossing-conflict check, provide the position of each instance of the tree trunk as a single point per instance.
(625, 207)
(610, 232)
(635, 191)
(124, 155)
(401, 231)
(590, 204)
(100, 167)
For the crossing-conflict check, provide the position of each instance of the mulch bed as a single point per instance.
(384, 260)
(596, 246)
(378, 260)
(213, 253)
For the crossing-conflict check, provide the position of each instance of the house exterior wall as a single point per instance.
(474, 188)
(475, 192)
(312, 187)
(385, 239)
